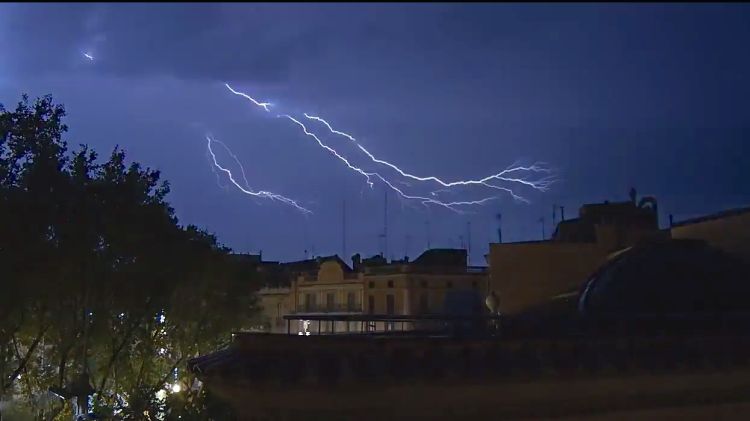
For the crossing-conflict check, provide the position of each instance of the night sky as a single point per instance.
(610, 96)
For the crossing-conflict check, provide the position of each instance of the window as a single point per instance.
(309, 302)
(423, 283)
(351, 301)
(390, 284)
(449, 284)
(390, 304)
(371, 284)
(330, 301)
(371, 304)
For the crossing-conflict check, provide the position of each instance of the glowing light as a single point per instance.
(88, 56)
(542, 184)
(176, 388)
(487, 182)
(263, 105)
(367, 175)
(161, 394)
(246, 189)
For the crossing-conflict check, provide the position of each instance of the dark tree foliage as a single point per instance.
(99, 278)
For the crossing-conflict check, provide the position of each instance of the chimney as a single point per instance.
(356, 261)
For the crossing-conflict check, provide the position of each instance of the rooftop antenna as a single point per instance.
(385, 225)
(541, 221)
(406, 245)
(427, 230)
(499, 218)
(562, 213)
(343, 228)
(461, 241)
(468, 239)
(554, 209)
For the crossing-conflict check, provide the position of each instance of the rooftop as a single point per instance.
(714, 216)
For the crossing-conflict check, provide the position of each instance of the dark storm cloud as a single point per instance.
(614, 95)
(200, 41)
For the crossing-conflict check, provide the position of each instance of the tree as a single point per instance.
(99, 278)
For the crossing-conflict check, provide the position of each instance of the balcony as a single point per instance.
(326, 308)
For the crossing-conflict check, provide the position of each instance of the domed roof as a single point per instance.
(669, 277)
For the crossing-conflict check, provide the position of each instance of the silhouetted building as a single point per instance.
(728, 230)
(525, 274)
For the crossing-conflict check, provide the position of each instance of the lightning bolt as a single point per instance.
(236, 160)
(264, 105)
(368, 175)
(216, 173)
(246, 189)
(540, 185)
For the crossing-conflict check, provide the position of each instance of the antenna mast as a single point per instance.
(385, 225)
(343, 229)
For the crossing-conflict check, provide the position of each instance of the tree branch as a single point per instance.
(25, 360)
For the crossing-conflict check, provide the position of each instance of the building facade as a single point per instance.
(375, 286)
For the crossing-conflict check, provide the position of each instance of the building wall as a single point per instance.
(275, 303)
(331, 281)
(407, 290)
(730, 233)
(526, 274)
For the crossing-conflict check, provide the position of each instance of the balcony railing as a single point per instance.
(326, 308)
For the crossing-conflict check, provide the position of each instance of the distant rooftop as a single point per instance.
(442, 257)
(719, 215)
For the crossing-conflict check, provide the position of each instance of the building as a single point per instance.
(276, 297)
(728, 230)
(373, 286)
(525, 274)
